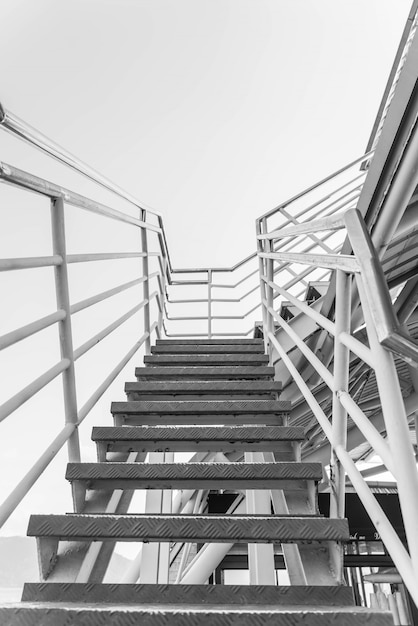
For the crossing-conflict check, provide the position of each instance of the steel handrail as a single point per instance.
(59, 196)
(384, 337)
(30, 135)
(23, 179)
(315, 186)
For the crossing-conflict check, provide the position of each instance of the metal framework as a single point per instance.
(363, 273)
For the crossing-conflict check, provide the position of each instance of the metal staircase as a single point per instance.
(230, 412)
(329, 294)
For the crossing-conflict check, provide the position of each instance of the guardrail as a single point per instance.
(297, 242)
(363, 270)
(152, 277)
(163, 308)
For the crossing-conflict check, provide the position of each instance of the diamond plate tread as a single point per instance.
(208, 349)
(153, 419)
(188, 594)
(191, 475)
(213, 387)
(59, 615)
(206, 359)
(247, 434)
(201, 407)
(205, 373)
(191, 528)
(210, 342)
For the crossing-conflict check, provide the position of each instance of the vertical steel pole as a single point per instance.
(397, 428)
(210, 304)
(145, 273)
(162, 283)
(166, 507)
(341, 375)
(150, 563)
(260, 229)
(65, 330)
(339, 413)
(270, 298)
(260, 556)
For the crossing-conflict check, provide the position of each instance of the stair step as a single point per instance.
(193, 438)
(204, 412)
(204, 373)
(201, 348)
(136, 390)
(210, 342)
(206, 359)
(201, 407)
(189, 594)
(231, 475)
(29, 614)
(189, 528)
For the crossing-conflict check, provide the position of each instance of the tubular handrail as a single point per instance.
(280, 253)
(18, 177)
(315, 186)
(386, 337)
(30, 135)
(60, 197)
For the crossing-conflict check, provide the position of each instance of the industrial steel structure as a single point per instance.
(322, 313)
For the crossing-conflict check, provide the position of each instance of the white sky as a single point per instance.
(211, 111)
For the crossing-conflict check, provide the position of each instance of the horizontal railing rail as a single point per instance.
(299, 245)
(151, 304)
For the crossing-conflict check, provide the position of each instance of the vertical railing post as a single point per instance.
(339, 414)
(145, 273)
(162, 284)
(210, 304)
(341, 377)
(65, 330)
(260, 228)
(397, 427)
(270, 297)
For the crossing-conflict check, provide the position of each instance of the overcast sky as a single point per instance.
(211, 111)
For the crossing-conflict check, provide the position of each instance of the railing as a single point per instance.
(336, 192)
(160, 312)
(151, 277)
(298, 242)
(362, 271)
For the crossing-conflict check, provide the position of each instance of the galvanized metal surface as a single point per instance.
(206, 359)
(55, 615)
(137, 390)
(199, 595)
(205, 372)
(291, 226)
(191, 475)
(197, 407)
(201, 528)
